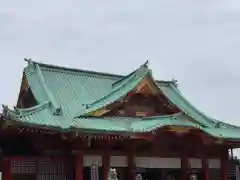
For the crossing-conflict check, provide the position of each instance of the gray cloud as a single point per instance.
(196, 42)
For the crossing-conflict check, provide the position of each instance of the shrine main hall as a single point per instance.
(74, 124)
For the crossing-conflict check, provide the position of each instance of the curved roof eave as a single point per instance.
(174, 95)
(35, 117)
(38, 116)
(19, 112)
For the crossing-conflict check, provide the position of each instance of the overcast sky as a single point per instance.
(196, 42)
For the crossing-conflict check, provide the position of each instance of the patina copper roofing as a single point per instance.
(65, 97)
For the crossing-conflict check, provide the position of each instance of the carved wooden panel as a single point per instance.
(141, 105)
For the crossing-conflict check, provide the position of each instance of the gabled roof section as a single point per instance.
(120, 88)
(126, 78)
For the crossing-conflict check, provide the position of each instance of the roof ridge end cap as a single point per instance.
(145, 64)
(29, 61)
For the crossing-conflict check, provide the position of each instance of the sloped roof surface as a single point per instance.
(65, 95)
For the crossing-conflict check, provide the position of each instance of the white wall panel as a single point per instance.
(214, 163)
(89, 160)
(118, 161)
(154, 162)
(195, 163)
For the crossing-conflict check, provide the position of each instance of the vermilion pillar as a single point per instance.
(106, 164)
(131, 166)
(7, 169)
(184, 167)
(205, 167)
(131, 161)
(224, 165)
(79, 166)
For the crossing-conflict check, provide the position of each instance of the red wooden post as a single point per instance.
(7, 169)
(106, 164)
(79, 166)
(205, 167)
(184, 166)
(131, 165)
(224, 165)
(131, 160)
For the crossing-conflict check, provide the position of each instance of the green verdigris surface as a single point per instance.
(65, 97)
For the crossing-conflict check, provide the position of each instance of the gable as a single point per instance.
(139, 105)
(147, 86)
(25, 97)
(24, 87)
(145, 99)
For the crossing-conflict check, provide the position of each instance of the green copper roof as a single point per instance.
(39, 117)
(65, 96)
(127, 125)
(120, 89)
(131, 124)
(178, 99)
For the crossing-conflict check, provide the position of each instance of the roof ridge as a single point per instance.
(48, 92)
(130, 74)
(216, 121)
(117, 89)
(113, 75)
(73, 69)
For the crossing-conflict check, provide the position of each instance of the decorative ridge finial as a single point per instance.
(4, 106)
(5, 109)
(174, 82)
(146, 64)
(29, 61)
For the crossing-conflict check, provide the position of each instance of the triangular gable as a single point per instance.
(146, 88)
(25, 97)
(24, 86)
(118, 91)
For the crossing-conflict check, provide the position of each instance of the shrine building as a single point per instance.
(73, 124)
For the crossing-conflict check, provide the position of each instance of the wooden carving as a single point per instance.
(139, 105)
